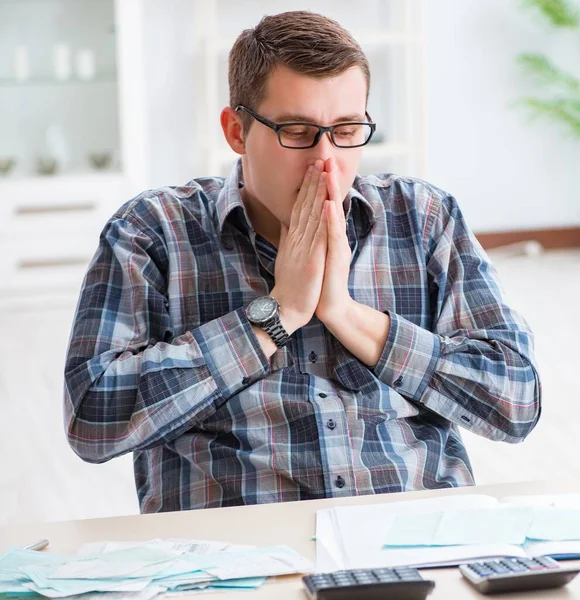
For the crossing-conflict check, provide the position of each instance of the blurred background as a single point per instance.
(101, 99)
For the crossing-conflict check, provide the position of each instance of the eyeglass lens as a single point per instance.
(344, 136)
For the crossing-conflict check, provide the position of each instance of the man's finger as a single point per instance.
(313, 219)
(334, 193)
(334, 231)
(297, 208)
(283, 236)
(312, 194)
(321, 233)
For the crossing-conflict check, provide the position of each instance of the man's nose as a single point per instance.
(325, 148)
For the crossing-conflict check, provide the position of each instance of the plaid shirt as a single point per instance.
(163, 362)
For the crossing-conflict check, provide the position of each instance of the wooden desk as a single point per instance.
(291, 523)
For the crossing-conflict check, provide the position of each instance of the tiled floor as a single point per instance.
(41, 479)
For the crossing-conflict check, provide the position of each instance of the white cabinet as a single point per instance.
(48, 233)
(72, 97)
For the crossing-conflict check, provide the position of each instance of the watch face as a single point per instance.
(262, 309)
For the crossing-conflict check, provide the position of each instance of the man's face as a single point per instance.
(272, 174)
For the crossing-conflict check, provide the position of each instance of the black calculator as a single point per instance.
(517, 574)
(398, 583)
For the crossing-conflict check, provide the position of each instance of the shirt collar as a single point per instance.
(364, 215)
(230, 199)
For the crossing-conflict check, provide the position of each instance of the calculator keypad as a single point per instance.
(364, 576)
(517, 574)
(507, 566)
(404, 582)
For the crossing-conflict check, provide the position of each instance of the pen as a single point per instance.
(37, 545)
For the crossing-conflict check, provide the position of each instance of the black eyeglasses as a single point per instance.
(300, 136)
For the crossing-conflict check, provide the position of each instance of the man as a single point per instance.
(294, 331)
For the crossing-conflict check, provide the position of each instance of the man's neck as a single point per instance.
(263, 221)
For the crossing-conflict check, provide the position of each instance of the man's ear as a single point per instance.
(232, 127)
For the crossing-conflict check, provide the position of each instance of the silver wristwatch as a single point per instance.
(264, 312)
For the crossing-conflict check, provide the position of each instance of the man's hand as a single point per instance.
(335, 298)
(299, 269)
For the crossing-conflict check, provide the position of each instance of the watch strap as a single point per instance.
(276, 331)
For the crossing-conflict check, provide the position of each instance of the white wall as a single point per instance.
(171, 90)
(506, 172)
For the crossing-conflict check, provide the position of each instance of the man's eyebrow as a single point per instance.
(295, 117)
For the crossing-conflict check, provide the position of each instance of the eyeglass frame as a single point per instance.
(277, 127)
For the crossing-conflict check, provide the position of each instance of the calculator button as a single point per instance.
(547, 562)
(515, 566)
(530, 563)
(498, 568)
(405, 573)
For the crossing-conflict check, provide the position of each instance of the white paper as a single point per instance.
(544, 500)
(202, 547)
(147, 594)
(361, 530)
(197, 547)
(328, 555)
(136, 586)
(272, 561)
(101, 569)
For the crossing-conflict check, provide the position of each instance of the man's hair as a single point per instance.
(303, 41)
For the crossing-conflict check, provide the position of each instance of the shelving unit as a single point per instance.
(10, 83)
(49, 224)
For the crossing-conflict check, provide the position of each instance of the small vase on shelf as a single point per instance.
(6, 165)
(46, 165)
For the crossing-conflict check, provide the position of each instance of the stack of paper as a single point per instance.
(144, 571)
(447, 531)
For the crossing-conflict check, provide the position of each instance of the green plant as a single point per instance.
(562, 101)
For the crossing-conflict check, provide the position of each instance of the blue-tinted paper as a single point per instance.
(555, 524)
(507, 525)
(484, 526)
(414, 530)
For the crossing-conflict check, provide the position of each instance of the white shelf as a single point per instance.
(370, 151)
(56, 83)
(223, 43)
(382, 37)
(388, 149)
(85, 178)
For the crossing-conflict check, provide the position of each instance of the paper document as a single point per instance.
(142, 571)
(352, 537)
(278, 560)
(503, 525)
(555, 524)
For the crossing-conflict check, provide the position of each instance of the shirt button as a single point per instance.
(330, 424)
(312, 357)
(322, 395)
(245, 381)
(399, 382)
(339, 482)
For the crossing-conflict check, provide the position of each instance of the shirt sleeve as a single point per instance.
(129, 384)
(476, 367)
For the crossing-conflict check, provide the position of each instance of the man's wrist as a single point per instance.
(340, 316)
(363, 331)
(289, 320)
